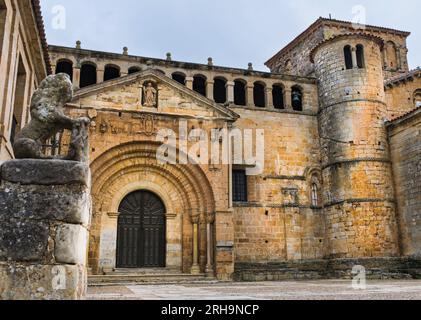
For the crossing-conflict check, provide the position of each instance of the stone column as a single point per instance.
(189, 82)
(99, 76)
(269, 98)
(210, 271)
(195, 269)
(44, 217)
(288, 98)
(209, 89)
(76, 77)
(250, 94)
(230, 91)
(354, 57)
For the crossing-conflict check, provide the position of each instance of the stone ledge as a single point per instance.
(45, 172)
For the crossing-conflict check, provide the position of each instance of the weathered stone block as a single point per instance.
(61, 203)
(40, 282)
(23, 240)
(45, 172)
(69, 242)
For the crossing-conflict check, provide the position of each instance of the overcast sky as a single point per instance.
(233, 32)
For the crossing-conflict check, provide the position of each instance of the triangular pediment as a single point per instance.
(172, 98)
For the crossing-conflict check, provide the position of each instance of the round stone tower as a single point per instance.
(358, 195)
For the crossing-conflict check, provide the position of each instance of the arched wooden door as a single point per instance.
(141, 234)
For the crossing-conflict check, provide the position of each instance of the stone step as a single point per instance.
(141, 278)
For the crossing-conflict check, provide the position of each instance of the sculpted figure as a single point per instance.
(48, 118)
(149, 93)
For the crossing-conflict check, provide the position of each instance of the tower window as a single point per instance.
(360, 56)
(87, 75)
(297, 98)
(348, 57)
(314, 195)
(417, 98)
(239, 179)
(65, 66)
(278, 97)
(199, 85)
(259, 95)
(111, 72)
(220, 90)
(391, 55)
(239, 93)
(179, 77)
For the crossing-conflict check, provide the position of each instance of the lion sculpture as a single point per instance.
(48, 118)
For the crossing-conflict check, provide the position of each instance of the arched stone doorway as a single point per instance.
(184, 190)
(141, 231)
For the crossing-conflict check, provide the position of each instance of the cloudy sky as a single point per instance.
(233, 32)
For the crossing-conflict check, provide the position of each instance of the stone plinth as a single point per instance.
(45, 212)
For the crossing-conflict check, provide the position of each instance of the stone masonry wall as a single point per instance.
(44, 219)
(405, 142)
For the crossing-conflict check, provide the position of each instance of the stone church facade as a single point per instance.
(339, 185)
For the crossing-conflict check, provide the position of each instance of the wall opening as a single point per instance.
(134, 70)
(360, 56)
(417, 98)
(348, 57)
(19, 101)
(220, 90)
(199, 84)
(111, 72)
(259, 95)
(3, 16)
(87, 75)
(392, 57)
(65, 66)
(297, 98)
(179, 77)
(239, 183)
(239, 93)
(278, 96)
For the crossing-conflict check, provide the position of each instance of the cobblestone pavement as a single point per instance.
(306, 290)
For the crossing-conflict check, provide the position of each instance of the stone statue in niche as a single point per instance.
(149, 95)
(48, 118)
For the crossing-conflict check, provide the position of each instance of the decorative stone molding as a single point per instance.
(113, 215)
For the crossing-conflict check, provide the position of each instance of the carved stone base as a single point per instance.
(44, 219)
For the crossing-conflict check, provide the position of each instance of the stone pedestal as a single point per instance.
(45, 212)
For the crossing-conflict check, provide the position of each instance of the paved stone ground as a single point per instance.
(305, 290)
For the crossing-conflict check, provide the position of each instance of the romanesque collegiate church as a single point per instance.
(340, 184)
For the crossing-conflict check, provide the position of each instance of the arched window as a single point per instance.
(278, 96)
(134, 70)
(348, 57)
(259, 95)
(417, 98)
(239, 93)
(391, 56)
(87, 75)
(297, 98)
(179, 77)
(65, 66)
(360, 56)
(314, 194)
(220, 90)
(199, 84)
(111, 72)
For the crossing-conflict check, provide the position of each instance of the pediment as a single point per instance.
(127, 93)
